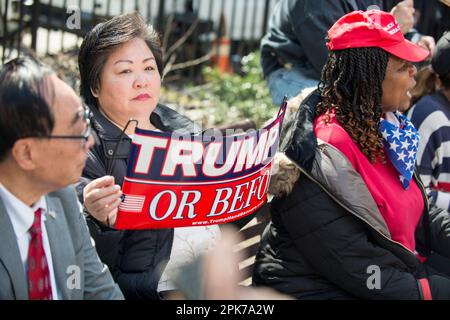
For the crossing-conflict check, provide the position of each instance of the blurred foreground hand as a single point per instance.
(404, 14)
(215, 276)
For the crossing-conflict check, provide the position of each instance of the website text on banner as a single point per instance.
(190, 180)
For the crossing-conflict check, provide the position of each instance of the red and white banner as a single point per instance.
(191, 180)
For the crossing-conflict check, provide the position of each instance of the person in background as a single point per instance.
(431, 116)
(432, 17)
(350, 220)
(293, 51)
(46, 252)
(120, 64)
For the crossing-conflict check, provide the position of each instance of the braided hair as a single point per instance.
(351, 84)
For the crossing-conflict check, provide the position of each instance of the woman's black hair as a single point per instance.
(103, 39)
(351, 84)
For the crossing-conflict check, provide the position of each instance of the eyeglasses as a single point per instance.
(84, 136)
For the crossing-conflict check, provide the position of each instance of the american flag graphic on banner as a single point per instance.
(132, 203)
(401, 142)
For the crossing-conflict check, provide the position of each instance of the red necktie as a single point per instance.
(38, 274)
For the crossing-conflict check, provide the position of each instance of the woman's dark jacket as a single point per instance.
(137, 270)
(327, 236)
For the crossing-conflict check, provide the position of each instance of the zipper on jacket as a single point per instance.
(422, 190)
(426, 213)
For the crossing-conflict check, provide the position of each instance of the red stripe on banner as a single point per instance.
(202, 204)
(132, 205)
(161, 182)
(134, 198)
(135, 203)
(129, 208)
(426, 291)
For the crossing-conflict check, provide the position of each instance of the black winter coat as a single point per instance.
(136, 258)
(327, 233)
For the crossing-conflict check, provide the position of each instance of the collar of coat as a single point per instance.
(163, 118)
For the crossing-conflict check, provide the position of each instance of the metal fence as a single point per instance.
(52, 26)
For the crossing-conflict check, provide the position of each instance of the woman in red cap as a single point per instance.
(350, 219)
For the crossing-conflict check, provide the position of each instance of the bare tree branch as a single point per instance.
(168, 32)
(183, 38)
(169, 64)
(189, 63)
(171, 53)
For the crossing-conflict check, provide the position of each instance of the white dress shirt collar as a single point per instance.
(23, 215)
(22, 218)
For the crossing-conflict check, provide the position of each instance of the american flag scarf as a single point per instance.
(401, 141)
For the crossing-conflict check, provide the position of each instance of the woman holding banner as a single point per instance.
(120, 64)
(350, 219)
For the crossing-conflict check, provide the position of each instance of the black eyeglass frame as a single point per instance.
(84, 136)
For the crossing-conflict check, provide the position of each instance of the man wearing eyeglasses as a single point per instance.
(46, 252)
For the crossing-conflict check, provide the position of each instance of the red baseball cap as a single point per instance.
(373, 28)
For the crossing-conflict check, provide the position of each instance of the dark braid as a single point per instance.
(352, 85)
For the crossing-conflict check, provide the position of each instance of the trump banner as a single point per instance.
(179, 180)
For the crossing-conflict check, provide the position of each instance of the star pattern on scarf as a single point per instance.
(401, 142)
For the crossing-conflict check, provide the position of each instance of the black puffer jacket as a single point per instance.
(326, 230)
(135, 257)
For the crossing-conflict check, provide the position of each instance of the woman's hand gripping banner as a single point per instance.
(191, 180)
